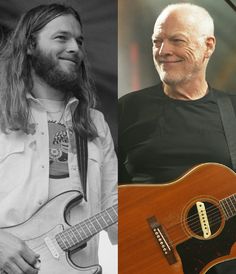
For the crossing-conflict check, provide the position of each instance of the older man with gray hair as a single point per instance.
(166, 129)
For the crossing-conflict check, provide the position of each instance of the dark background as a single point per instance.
(99, 18)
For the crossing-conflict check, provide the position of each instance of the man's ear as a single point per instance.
(210, 46)
(31, 47)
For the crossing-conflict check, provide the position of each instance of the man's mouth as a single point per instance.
(169, 61)
(69, 59)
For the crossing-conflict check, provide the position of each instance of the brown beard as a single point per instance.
(49, 70)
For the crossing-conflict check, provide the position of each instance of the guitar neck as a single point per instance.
(78, 234)
(228, 205)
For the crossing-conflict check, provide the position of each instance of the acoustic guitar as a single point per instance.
(48, 234)
(184, 227)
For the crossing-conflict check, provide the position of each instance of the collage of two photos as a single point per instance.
(117, 137)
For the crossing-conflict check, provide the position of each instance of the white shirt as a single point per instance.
(24, 174)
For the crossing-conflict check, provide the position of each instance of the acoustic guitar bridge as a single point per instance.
(162, 240)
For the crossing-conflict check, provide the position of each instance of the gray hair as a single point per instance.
(206, 23)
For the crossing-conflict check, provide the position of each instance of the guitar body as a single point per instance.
(42, 227)
(154, 219)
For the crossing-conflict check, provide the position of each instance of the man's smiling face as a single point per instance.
(178, 48)
(58, 52)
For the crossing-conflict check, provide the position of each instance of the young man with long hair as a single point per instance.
(52, 139)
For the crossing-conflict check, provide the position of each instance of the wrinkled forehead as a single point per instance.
(176, 22)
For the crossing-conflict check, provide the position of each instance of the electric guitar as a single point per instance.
(48, 234)
(184, 227)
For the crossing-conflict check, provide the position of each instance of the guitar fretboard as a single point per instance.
(80, 233)
(228, 205)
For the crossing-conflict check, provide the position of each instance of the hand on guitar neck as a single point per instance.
(15, 256)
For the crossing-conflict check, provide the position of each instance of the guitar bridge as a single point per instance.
(162, 240)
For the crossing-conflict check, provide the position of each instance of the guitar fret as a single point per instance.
(84, 230)
(233, 207)
(60, 241)
(102, 220)
(91, 227)
(80, 229)
(234, 198)
(226, 208)
(69, 238)
(107, 218)
(63, 243)
(229, 206)
(96, 224)
(75, 235)
(115, 209)
(113, 214)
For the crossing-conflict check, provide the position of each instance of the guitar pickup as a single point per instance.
(203, 219)
(162, 240)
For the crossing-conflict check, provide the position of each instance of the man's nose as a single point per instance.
(72, 45)
(165, 48)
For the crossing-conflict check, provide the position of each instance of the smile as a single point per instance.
(170, 62)
(72, 60)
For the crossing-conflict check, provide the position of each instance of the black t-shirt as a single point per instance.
(161, 138)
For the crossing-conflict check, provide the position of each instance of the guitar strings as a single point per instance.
(42, 249)
(181, 239)
(195, 220)
(195, 217)
(215, 221)
(196, 224)
(43, 246)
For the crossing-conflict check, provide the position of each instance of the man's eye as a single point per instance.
(176, 40)
(157, 42)
(61, 37)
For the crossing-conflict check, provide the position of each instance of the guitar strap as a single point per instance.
(82, 157)
(229, 123)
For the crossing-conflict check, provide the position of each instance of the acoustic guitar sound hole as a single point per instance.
(213, 216)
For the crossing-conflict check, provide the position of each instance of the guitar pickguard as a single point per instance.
(196, 254)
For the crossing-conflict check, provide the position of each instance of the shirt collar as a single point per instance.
(72, 102)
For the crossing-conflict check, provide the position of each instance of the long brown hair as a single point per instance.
(16, 80)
